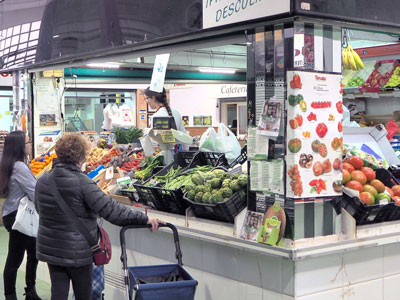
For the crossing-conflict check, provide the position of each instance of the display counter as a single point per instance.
(366, 266)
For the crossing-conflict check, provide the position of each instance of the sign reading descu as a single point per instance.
(222, 12)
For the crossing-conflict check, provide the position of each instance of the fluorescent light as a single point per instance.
(217, 70)
(103, 66)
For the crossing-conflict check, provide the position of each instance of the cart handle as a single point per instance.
(178, 253)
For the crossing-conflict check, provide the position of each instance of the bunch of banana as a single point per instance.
(351, 60)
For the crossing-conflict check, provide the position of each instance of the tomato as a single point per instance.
(380, 187)
(339, 107)
(396, 190)
(367, 198)
(359, 176)
(346, 176)
(299, 120)
(369, 173)
(396, 200)
(321, 130)
(336, 164)
(293, 124)
(354, 185)
(340, 127)
(356, 162)
(389, 190)
(348, 167)
(318, 168)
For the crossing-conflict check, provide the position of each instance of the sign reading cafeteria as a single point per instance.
(222, 12)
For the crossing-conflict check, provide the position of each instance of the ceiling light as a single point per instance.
(103, 65)
(217, 70)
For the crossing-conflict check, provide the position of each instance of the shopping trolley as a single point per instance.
(157, 282)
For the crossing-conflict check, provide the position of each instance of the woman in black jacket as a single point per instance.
(59, 242)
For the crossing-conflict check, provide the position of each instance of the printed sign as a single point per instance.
(314, 134)
(222, 12)
(159, 70)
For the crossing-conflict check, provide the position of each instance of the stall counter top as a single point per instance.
(225, 234)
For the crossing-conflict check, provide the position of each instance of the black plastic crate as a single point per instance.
(241, 159)
(184, 158)
(213, 159)
(368, 214)
(162, 199)
(222, 211)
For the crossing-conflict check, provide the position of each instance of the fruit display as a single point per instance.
(351, 59)
(364, 180)
(394, 80)
(380, 75)
(368, 160)
(95, 155)
(41, 162)
(356, 81)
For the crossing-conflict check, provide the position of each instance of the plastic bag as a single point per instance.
(227, 143)
(27, 219)
(391, 128)
(208, 141)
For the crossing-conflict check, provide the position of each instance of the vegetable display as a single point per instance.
(126, 136)
(148, 167)
(41, 162)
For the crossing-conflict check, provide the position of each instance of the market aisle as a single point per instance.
(43, 288)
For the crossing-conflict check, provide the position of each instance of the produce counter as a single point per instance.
(363, 263)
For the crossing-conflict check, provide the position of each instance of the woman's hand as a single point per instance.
(154, 224)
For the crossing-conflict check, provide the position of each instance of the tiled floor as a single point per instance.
(42, 287)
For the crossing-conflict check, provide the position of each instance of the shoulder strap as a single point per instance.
(69, 212)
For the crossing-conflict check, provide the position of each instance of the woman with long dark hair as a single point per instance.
(17, 181)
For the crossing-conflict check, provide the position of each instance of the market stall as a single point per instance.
(285, 218)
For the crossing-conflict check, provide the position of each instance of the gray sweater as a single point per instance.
(22, 182)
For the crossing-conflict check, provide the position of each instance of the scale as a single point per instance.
(167, 137)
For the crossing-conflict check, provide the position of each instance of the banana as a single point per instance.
(357, 58)
(345, 61)
(351, 59)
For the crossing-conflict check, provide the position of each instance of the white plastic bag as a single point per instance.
(227, 143)
(27, 219)
(208, 141)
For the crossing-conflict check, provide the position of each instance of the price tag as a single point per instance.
(383, 202)
(167, 137)
(109, 173)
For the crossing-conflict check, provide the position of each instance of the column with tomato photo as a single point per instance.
(314, 135)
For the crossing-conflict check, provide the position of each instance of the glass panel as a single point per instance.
(9, 32)
(7, 50)
(14, 40)
(8, 42)
(34, 35)
(3, 42)
(23, 54)
(36, 25)
(13, 49)
(26, 27)
(24, 37)
(32, 52)
(22, 46)
(33, 43)
(17, 29)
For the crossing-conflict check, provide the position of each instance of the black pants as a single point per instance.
(17, 245)
(81, 282)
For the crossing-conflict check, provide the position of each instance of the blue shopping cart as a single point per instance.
(157, 282)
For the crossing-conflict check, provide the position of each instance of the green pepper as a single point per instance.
(299, 98)
(293, 100)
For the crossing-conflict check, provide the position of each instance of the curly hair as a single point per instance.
(72, 149)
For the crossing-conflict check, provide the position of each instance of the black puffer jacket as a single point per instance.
(58, 241)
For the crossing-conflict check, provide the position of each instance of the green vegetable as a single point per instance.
(208, 176)
(235, 176)
(148, 170)
(189, 187)
(191, 195)
(226, 192)
(218, 197)
(200, 188)
(235, 186)
(207, 197)
(243, 180)
(197, 179)
(226, 182)
(198, 197)
(126, 136)
(299, 98)
(215, 183)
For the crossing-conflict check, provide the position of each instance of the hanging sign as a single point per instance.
(222, 12)
(159, 70)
